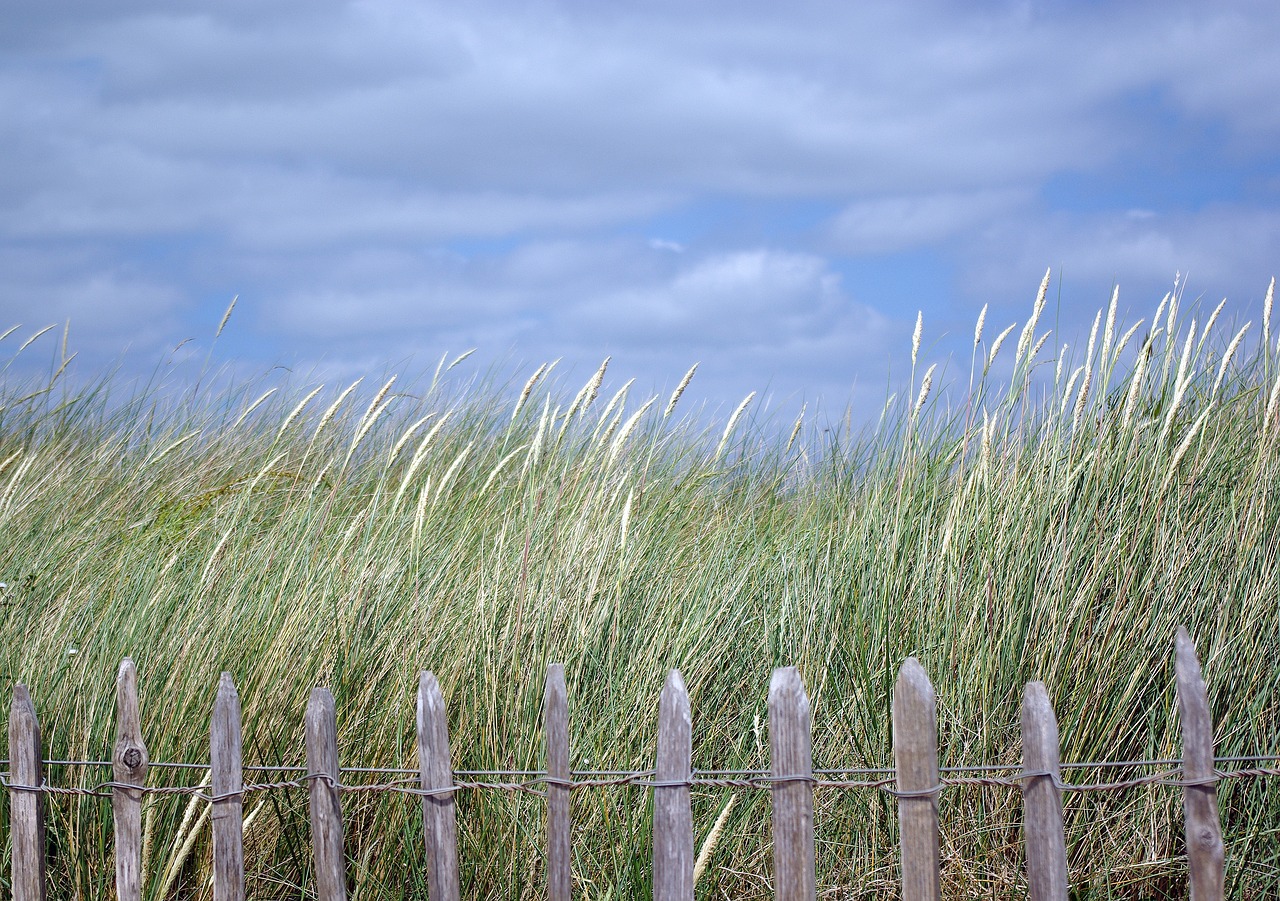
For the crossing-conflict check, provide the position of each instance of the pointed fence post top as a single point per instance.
(128, 723)
(1186, 662)
(130, 757)
(786, 685)
(675, 698)
(1036, 706)
(430, 698)
(913, 684)
(321, 701)
(21, 700)
(557, 688)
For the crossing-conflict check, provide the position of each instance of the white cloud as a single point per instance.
(889, 224)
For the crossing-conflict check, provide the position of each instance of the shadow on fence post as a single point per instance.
(915, 754)
(1041, 797)
(556, 728)
(129, 767)
(791, 748)
(1205, 852)
(26, 808)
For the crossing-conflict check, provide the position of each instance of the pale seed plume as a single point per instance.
(226, 316)
(1035, 351)
(915, 336)
(1226, 358)
(1126, 338)
(733, 420)
(459, 358)
(296, 411)
(926, 385)
(709, 844)
(795, 429)
(1109, 332)
(589, 391)
(977, 329)
(675, 395)
(1082, 401)
(995, 346)
(627, 428)
(1266, 313)
(1213, 317)
(1185, 446)
(253, 406)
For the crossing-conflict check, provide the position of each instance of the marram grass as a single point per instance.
(1056, 522)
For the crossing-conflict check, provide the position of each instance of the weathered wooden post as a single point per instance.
(326, 803)
(26, 808)
(915, 754)
(790, 742)
(1041, 797)
(439, 821)
(1206, 855)
(226, 783)
(672, 813)
(129, 771)
(556, 728)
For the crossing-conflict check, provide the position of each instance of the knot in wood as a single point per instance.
(132, 758)
(1208, 838)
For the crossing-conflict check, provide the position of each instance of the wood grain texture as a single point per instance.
(555, 712)
(326, 802)
(915, 754)
(227, 778)
(439, 821)
(1041, 798)
(1205, 852)
(791, 748)
(26, 808)
(672, 813)
(128, 765)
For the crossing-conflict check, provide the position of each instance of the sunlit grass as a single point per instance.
(1057, 520)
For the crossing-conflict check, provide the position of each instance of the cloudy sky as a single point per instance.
(771, 189)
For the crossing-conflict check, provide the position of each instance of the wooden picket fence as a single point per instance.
(915, 785)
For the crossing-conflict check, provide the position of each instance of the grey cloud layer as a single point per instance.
(333, 160)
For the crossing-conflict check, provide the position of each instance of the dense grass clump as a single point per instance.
(1056, 522)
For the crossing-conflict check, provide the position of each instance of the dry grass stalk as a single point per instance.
(675, 395)
(926, 385)
(995, 346)
(627, 428)
(795, 429)
(1226, 358)
(226, 316)
(733, 420)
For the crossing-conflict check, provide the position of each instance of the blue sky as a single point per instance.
(772, 190)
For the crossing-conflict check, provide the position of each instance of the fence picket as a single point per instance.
(556, 729)
(791, 748)
(672, 813)
(226, 784)
(26, 808)
(915, 753)
(1041, 797)
(128, 766)
(326, 803)
(1205, 852)
(439, 824)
